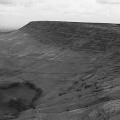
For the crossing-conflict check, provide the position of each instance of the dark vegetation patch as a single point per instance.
(17, 102)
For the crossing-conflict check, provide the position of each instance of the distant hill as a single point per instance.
(76, 65)
(5, 32)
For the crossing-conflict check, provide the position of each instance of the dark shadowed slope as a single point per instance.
(60, 67)
(73, 35)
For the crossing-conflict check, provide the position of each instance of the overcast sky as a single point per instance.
(16, 13)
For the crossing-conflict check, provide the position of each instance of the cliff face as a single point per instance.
(60, 67)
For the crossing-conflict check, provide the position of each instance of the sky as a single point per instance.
(16, 13)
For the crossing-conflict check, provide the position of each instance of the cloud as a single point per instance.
(26, 2)
(109, 1)
(18, 2)
(6, 2)
(16, 6)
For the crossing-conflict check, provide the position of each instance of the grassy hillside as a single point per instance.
(67, 66)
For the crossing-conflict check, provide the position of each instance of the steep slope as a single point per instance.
(62, 66)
